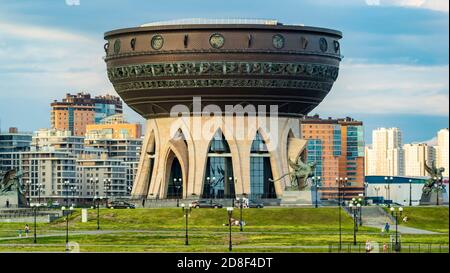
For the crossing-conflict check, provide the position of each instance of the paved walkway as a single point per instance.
(376, 217)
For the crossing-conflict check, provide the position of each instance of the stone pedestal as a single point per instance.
(432, 199)
(296, 198)
(11, 197)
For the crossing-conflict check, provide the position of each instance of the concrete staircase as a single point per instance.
(376, 216)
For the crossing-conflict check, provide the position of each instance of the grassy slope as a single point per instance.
(428, 218)
(163, 230)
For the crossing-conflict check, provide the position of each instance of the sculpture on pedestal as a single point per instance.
(434, 184)
(299, 176)
(11, 189)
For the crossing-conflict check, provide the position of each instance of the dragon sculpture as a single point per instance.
(435, 181)
(10, 183)
(300, 174)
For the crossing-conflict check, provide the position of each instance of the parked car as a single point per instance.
(120, 205)
(206, 204)
(255, 204)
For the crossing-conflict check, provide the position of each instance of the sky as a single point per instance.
(394, 72)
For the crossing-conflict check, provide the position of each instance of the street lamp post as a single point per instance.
(98, 199)
(438, 185)
(230, 213)
(72, 191)
(66, 186)
(377, 189)
(410, 192)
(366, 185)
(67, 225)
(35, 225)
(361, 203)
(39, 185)
(186, 211)
(354, 206)
(106, 187)
(340, 181)
(316, 182)
(28, 192)
(388, 188)
(178, 190)
(396, 214)
(230, 178)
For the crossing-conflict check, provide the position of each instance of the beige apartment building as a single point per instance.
(385, 155)
(415, 157)
(442, 150)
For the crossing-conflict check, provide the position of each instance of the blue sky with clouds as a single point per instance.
(394, 71)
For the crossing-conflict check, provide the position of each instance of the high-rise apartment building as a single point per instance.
(385, 155)
(337, 147)
(61, 140)
(114, 127)
(102, 175)
(75, 112)
(120, 139)
(442, 150)
(105, 106)
(416, 155)
(46, 171)
(12, 143)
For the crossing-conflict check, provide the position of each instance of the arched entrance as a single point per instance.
(175, 183)
(260, 171)
(219, 181)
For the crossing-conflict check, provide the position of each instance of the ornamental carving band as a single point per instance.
(326, 72)
(208, 83)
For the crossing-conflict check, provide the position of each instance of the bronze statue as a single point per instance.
(300, 174)
(10, 185)
(435, 181)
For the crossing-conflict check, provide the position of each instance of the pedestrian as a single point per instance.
(27, 230)
(385, 248)
(143, 202)
(386, 227)
(368, 246)
(20, 233)
(7, 203)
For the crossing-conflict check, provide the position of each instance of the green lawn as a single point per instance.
(162, 230)
(428, 218)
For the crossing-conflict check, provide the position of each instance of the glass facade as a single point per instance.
(337, 140)
(314, 151)
(219, 180)
(175, 185)
(355, 149)
(355, 142)
(260, 171)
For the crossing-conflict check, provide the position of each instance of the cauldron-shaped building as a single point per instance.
(189, 79)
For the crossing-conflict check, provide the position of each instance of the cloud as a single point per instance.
(41, 33)
(49, 61)
(437, 5)
(429, 142)
(364, 88)
(40, 64)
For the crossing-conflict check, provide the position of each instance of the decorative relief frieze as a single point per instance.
(322, 71)
(208, 83)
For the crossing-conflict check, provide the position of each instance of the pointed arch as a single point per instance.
(261, 186)
(175, 178)
(219, 178)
